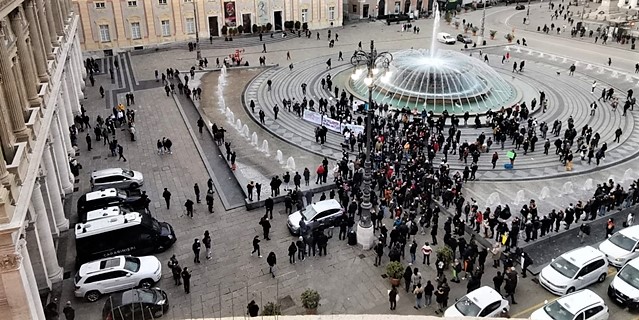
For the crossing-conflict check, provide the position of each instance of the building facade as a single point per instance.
(41, 72)
(112, 24)
(364, 9)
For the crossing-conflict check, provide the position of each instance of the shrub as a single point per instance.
(269, 26)
(298, 25)
(395, 270)
(225, 30)
(493, 33)
(254, 28)
(272, 309)
(305, 26)
(240, 29)
(445, 254)
(310, 299)
(509, 37)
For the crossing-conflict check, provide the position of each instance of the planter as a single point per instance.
(492, 37)
(311, 311)
(510, 40)
(474, 34)
(395, 282)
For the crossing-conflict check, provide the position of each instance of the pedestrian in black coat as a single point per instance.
(408, 275)
(186, 279)
(196, 250)
(266, 227)
(292, 249)
(272, 261)
(497, 281)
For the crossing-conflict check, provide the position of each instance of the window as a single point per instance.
(593, 311)
(331, 13)
(100, 5)
(190, 25)
(133, 3)
(105, 36)
(304, 15)
(135, 31)
(491, 307)
(166, 28)
(161, 1)
(355, 8)
(185, 1)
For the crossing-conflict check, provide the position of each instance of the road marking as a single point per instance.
(535, 307)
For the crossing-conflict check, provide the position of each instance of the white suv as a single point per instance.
(114, 274)
(624, 288)
(579, 305)
(622, 247)
(574, 270)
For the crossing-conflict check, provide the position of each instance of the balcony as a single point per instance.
(33, 123)
(20, 163)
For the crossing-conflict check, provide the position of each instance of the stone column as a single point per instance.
(47, 41)
(54, 190)
(57, 17)
(16, 112)
(66, 116)
(74, 90)
(51, 22)
(36, 42)
(4, 174)
(79, 67)
(54, 271)
(7, 139)
(26, 60)
(20, 82)
(15, 282)
(48, 206)
(76, 44)
(61, 157)
(35, 303)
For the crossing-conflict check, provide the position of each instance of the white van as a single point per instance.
(446, 38)
(574, 270)
(622, 246)
(624, 288)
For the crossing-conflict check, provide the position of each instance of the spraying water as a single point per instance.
(290, 163)
(221, 83)
(278, 156)
(265, 147)
(433, 40)
(245, 132)
(254, 139)
(238, 125)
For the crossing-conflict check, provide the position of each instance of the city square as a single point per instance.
(261, 142)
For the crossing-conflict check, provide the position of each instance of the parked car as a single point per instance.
(484, 302)
(96, 278)
(622, 246)
(314, 215)
(464, 39)
(520, 7)
(624, 287)
(116, 178)
(107, 198)
(580, 305)
(136, 304)
(446, 38)
(574, 270)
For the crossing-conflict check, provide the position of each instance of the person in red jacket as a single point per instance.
(320, 173)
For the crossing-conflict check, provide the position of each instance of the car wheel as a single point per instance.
(146, 283)
(92, 296)
(134, 186)
(602, 278)
(570, 290)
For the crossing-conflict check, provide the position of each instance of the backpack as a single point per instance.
(419, 295)
(413, 229)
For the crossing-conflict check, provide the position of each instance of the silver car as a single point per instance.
(116, 178)
(314, 215)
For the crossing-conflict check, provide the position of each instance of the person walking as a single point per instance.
(69, 312)
(88, 139)
(196, 250)
(268, 205)
(379, 253)
(584, 231)
(176, 270)
(292, 249)
(272, 261)
(186, 279)
(121, 153)
(167, 197)
(393, 297)
(511, 284)
(196, 190)
(610, 227)
(428, 293)
(207, 244)
(426, 251)
(526, 261)
(256, 246)
(419, 294)
(408, 276)
(200, 124)
(189, 207)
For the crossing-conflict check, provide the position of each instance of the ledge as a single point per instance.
(34, 120)
(20, 163)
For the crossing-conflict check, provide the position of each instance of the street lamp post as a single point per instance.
(197, 33)
(372, 59)
(528, 13)
(480, 39)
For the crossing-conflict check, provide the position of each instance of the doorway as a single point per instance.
(246, 21)
(406, 6)
(365, 11)
(381, 10)
(214, 31)
(398, 6)
(277, 17)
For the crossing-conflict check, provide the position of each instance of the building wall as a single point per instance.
(355, 8)
(40, 91)
(118, 16)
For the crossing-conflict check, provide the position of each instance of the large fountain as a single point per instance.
(437, 79)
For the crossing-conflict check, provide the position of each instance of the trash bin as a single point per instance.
(352, 238)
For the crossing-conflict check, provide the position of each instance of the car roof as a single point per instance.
(94, 227)
(106, 172)
(88, 268)
(484, 296)
(322, 206)
(131, 296)
(631, 232)
(104, 213)
(443, 34)
(110, 192)
(578, 301)
(583, 255)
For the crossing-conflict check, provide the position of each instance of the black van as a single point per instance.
(133, 233)
(107, 198)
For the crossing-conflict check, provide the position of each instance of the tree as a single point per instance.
(254, 28)
(297, 25)
(269, 26)
(240, 29)
(225, 29)
(305, 26)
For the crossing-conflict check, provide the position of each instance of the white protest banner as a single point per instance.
(332, 124)
(312, 116)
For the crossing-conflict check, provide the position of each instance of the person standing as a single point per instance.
(511, 284)
(196, 189)
(428, 293)
(258, 191)
(379, 253)
(610, 227)
(268, 204)
(249, 190)
(176, 270)
(207, 244)
(272, 261)
(252, 309)
(200, 124)
(209, 200)
(419, 294)
(266, 227)
(167, 197)
(88, 139)
(186, 279)
(426, 251)
(292, 249)
(196, 250)
(189, 207)
(408, 276)
(69, 312)
(413, 251)
(256, 246)
(497, 281)
(392, 298)
(584, 230)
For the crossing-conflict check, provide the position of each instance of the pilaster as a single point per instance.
(27, 62)
(57, 17)
(43, 20)
(16, 112)
(36, 34)
(51, 23)
(54, 271)
(54, 190)
(61, 157)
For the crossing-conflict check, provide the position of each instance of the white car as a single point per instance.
(314, 215)
(483, 302)
(116, 178)
(579, 305)
(96, 278)
(624, 288)
(574, 270)
(622, 246)
(446, 38)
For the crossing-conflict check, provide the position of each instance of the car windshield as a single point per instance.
(467, 307)
(132, 264)
(630, 275)
(151, 223)
(147, 296)
(622, 241)
(557, 312)
(309, 213)
(128, 173)
(564, 267)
